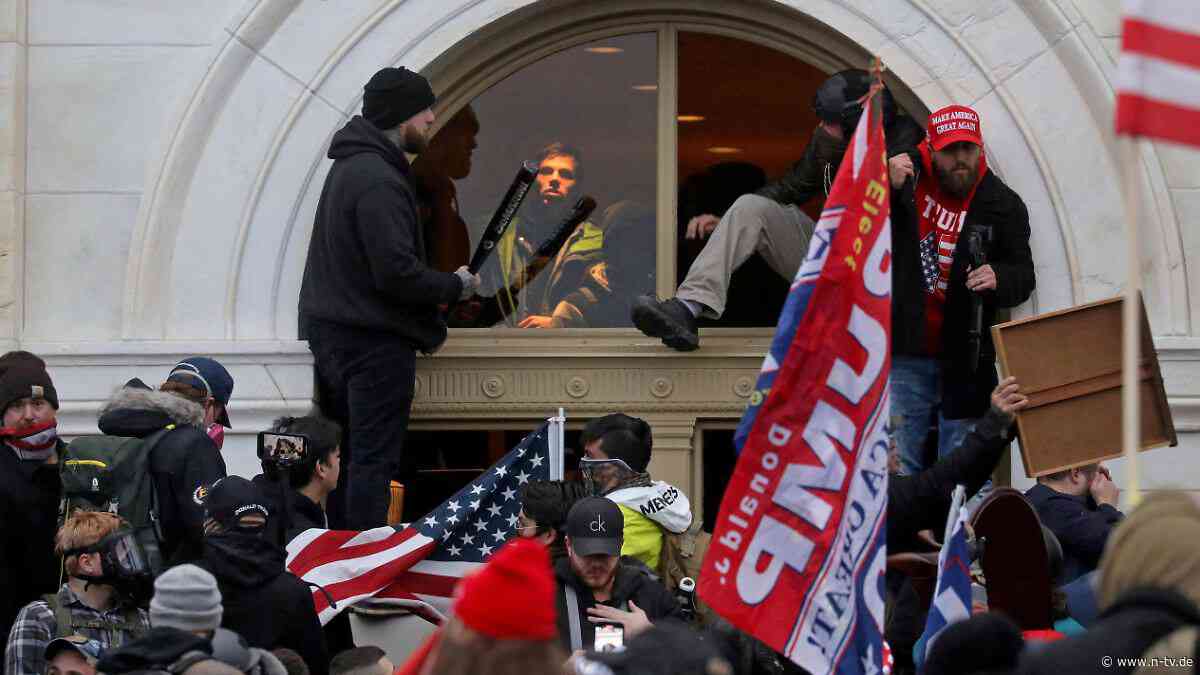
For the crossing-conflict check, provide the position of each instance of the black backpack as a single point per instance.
(112, 473)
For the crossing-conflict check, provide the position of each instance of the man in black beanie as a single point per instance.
(369, 299)
(29, 484)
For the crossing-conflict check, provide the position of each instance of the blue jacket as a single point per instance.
(1082, 527)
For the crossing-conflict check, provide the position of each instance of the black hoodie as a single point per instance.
(156, 650)
(262, 601)
(183, 460)
(367, 267)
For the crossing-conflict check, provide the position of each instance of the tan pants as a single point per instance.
(779, 233)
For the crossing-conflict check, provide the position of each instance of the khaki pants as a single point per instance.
(779, 233)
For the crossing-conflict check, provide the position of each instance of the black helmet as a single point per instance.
(836, 100)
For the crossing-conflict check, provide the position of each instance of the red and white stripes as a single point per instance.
(1158, 82)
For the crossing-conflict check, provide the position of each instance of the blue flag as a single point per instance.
(952, 597)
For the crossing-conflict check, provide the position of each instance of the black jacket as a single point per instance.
(1137, 620)
(183, 461)
(367, 264)
(155, 650)
(631, 583)
(819, 163)
(922, 501)
(994, 205)
(29, 497)
(1082, 527)
(263, 602)
(301, 512)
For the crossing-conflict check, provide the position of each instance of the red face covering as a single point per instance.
(217, 433)
(33, 442)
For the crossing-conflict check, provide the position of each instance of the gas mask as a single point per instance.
(123, 564)
(601, 476)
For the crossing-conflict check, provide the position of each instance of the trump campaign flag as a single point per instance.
(952, 595)
(1158, 74)
(797, 555)
(418, 566)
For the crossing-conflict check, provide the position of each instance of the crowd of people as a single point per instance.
(134, 551)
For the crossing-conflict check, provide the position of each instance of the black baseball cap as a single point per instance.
(204, 373)
(229, 499)
(596, 526)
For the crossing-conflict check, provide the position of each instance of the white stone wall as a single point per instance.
(160, 162)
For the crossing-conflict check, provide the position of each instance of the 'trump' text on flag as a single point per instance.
(798, 555)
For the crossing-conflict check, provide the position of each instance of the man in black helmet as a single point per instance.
(770, 221)
(369, 300)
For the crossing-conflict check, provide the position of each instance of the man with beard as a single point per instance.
(557, 185)
(29, 484)
(261, 600)
(369, 299)
(943, 193)
(770, 221)
(595, 588)
(447, 159)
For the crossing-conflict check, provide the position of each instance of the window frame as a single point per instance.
(467, 70)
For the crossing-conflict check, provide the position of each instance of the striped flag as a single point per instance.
(418, 566)
(1158, 81)
(952, 595)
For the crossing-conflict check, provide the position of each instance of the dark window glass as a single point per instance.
(745, 116)
(586, 117)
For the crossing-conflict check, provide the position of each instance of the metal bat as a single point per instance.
(503, 216)
(491, 310)
(546, 252)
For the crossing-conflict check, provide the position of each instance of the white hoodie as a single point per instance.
(661, 502)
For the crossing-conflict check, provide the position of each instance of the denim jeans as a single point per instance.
(366, 382)
(916, 394)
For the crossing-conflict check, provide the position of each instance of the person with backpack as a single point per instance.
(88, 604)
(29, 484)
(262, 601)
(155, 458)
(186, 617)
(657, 514)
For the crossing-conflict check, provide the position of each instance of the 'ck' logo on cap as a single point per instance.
(597, 525)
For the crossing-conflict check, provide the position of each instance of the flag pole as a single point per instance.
(1131, 329)
(558, 432)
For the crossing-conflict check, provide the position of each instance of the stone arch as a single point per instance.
(240, 176)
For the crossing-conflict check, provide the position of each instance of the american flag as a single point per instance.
(1158, 77)
(929, 262)
(418, 566)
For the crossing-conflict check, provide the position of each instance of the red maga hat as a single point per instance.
(952, 124)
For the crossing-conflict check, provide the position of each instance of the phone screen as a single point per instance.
(283, 448)
(610, 639)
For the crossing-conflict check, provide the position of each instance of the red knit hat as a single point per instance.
(512, 596)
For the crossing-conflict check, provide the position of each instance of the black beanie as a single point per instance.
(395, 94)
(23, 375)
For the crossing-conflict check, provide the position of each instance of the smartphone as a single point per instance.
(282, 449)
(610, 639)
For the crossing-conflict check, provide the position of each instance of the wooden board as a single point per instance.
(1069, 364)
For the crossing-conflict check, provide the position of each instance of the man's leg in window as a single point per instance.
(914, 397)
(752, 223)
